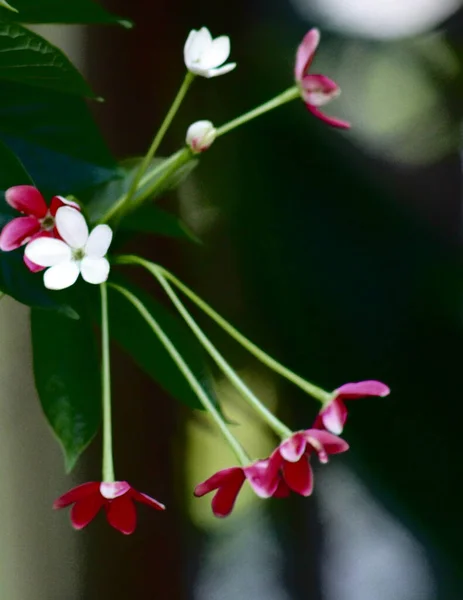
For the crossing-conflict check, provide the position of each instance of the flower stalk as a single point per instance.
(108, 463)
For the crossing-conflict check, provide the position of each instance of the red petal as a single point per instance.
(17, 232)
(282, 490)
(121, 514)
(332, 444)
(58, 202)
(27, 199)
(294, 447)
(362, 389)
(85, 510)
(263, 477)
(334, 416)
(299, 476)
(217, 480)
(333, 121)
(145, 499)
(225, 497)
(77, 493)
(305, 53)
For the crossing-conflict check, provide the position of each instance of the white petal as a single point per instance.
(94, 270)
(99, 241)
(216, 54)
(72, 226)
(48, 252)
(220, 71)
(196, 46)
(61, 276)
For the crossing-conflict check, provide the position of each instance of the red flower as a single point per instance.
(38, 222)
(117, 498)
(264, 480)
(316, 90)
(292, 457)
(333, 416)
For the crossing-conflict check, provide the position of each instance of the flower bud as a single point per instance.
(200, 136)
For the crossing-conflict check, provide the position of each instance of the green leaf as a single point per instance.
(131, 332)
(55, 138)
(102, 198)
(61, 11)
(152, 219)
(7, 6)
(66, 369)
(28, 58)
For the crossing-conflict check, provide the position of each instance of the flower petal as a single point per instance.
(121, 514)
(99, 241)
(305, 53)
(27, 199)
(225, 497)
(294, 447)
(198, 43)
(318, 90)
(94, 270)
(217, 480)
(145, 499)
(61, 276)
(362, 389)
(334, 416)
(85, 510)
(333, 121)
(299, 476)
(282, 490)
(332, 444)
(217, 53)
(219, 71)
(114, 489)
(48, 252)
(31, 265)
(17, 232)
(76, 494)
(263, 477)
(58, 202)
(72, 226)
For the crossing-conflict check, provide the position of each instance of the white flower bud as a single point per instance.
(200, 136)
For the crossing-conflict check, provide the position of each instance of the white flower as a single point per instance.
(203, 55)
(78, 252)
(200, 136)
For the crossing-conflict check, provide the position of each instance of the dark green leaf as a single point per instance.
(61, 11)
(28, 58)
(152, 219)
(55, 138)
(66, 368)
(101, 199)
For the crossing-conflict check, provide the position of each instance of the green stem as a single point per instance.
(152, 149)
(228, 371)
(281, 99)
(108, 464)
(187, 373)
(265, 358)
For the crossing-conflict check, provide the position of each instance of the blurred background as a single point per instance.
(339, 253)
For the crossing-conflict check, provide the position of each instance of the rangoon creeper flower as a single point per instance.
(77, 252)
(292, 457)
(117, 498)
(200, 136)
(203, 55)
(229, 482)
(333, 415)
(316, 90)
(39, 220)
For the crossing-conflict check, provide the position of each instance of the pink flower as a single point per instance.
(333, 416)
(264, 480)
(39, 220)
(316, 90)
(292, 457)
(117, 498)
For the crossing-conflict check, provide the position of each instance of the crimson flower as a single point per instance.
(334, 414)
(39, 220)
(292, 457)
(264, 479)
(316, 90)
(117, 498)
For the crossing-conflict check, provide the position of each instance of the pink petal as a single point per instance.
(27, 199)
(33, 267)
(318, 90)
(217, 480)
(263, 477)
(76, 494)
(225, 497)
(121, 514)
(299, 476)
(114, 489)
(334, 416)
(305, 53)
(294, 447)
(17, 232)
(85, 510)
(333, 121)
(362, 389)
(331, 444)
(58, 202)
(145, 499)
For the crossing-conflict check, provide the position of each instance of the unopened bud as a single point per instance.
(200, 136)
